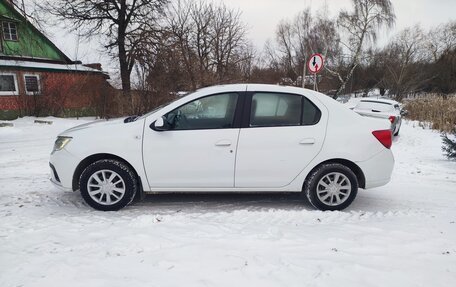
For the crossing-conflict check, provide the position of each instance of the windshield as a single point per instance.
(374, 106)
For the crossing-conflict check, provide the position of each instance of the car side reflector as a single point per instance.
(384, 137)
(392, 119)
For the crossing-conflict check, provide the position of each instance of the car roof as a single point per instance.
(327, 100)
(254, 87)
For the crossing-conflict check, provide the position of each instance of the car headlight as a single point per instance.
(60, 143)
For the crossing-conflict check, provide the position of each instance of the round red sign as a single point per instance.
(315, 63)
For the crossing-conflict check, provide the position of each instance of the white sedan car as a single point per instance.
(233, 138)
(381, 109)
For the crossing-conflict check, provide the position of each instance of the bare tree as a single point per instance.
(180, 26)
(210, 40)
(361, 26)
(123, 23)
(403, 57)
(228, 36)
(297, 39)
(286, 49)
(441, 39)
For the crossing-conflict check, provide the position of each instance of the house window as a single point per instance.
(9, 31)
(8, 85)
(32, 84)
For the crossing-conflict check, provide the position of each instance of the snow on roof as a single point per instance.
(47, 66)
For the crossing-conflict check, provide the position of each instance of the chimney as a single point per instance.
(96, 66)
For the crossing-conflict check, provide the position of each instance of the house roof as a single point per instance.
(32, 65)
(3, 17)
(22, 18)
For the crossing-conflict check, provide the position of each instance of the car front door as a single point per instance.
(283, 133)
(198, 149)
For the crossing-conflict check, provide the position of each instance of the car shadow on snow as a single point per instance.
(223, 202)
(366, 201)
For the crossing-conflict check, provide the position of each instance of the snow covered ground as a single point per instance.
(402, 234)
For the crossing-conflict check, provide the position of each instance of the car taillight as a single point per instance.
(392, 118)
(384, 137)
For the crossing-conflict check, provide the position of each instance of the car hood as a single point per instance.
(97, 123)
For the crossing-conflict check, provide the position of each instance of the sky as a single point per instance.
(262, 17)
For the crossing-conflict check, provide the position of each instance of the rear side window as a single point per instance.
(278, 109)
(270, 109)
(310, 113)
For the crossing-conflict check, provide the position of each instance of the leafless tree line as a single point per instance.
(182, 45)
(413, 61)
(200, 44)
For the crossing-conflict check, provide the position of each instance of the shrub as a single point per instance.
(440, 111)
(449, 144)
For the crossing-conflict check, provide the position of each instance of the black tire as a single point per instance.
(398, 129)
(125, 173)
(311, 185)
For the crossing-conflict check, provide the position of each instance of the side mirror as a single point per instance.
(160, 125)
(404, 112)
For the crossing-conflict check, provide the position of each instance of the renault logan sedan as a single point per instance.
(233, 138)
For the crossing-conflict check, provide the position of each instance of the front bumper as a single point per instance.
(63, 165)
(58, 185)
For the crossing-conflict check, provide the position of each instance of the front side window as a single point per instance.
(8, 84)
(9, 31)
(32, 84)
(271, 109)
(212, 112)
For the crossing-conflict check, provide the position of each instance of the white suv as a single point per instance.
(232, 138)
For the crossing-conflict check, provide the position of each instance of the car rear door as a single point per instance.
(281, 133)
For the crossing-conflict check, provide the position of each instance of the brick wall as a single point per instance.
(59, 91)
(9, 103)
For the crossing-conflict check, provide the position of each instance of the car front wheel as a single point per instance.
(108, 185)
(331, 186)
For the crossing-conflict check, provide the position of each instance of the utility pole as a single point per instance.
(304, 67)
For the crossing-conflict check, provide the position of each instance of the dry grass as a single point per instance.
(435, 109)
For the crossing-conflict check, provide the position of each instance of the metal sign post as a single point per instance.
(315, 65)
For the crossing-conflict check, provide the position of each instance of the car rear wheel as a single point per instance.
(108, 185)
(331, 186)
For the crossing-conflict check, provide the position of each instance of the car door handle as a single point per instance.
(307, 141)
(223, 143)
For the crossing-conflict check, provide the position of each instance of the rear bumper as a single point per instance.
(378, 169)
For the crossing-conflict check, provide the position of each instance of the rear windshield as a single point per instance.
(374, 106)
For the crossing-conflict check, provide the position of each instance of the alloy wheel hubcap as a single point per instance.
(333, 189)
(106, 187)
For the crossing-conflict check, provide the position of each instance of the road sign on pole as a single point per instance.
(315, 63)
